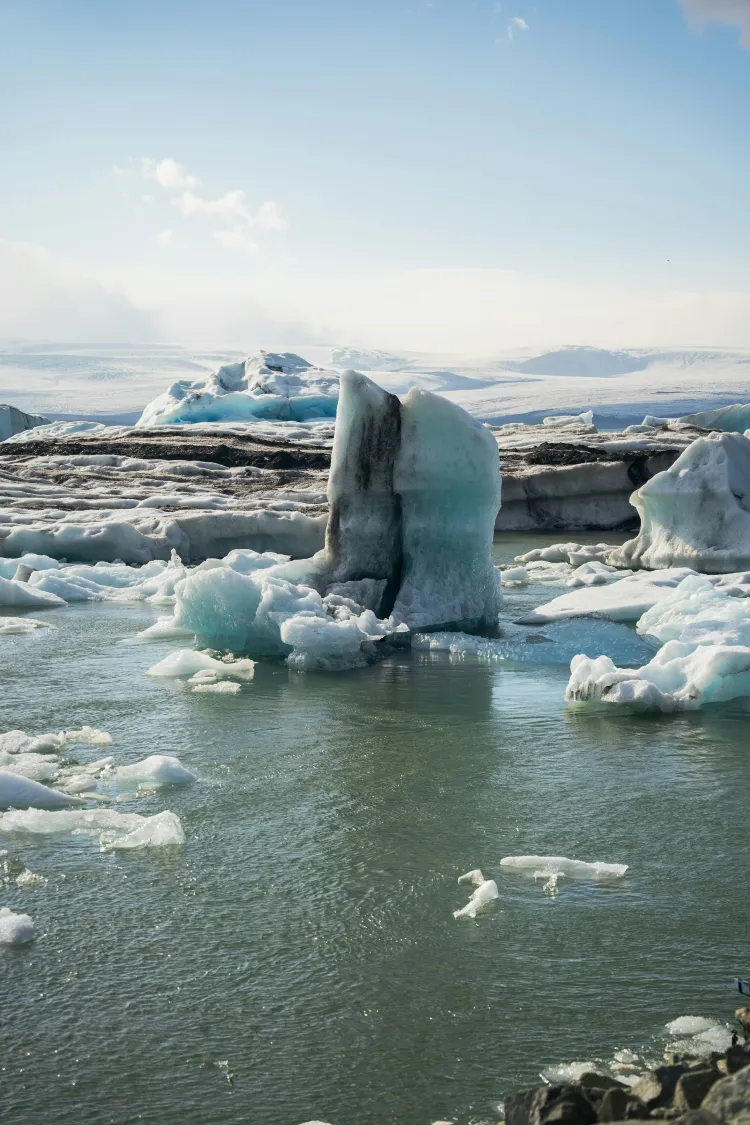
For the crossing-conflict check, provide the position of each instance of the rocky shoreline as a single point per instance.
(688, 1089)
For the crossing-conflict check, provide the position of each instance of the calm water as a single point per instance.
(305, 932)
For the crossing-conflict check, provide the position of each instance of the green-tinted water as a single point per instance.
(305, 933)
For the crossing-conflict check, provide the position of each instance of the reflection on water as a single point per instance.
(305, 934)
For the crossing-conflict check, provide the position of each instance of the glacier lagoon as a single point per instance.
(298, 958)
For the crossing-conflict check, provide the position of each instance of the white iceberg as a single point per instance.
(272, 386)
(23, 596)
(163, 830)
(697, 513)
(15, 929)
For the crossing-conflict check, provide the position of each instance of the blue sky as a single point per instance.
(365, 169)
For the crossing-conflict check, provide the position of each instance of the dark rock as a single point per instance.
(737, 1057)
(742, 1015)
(657, 1087)
(550, 1105)
(696, 1117)
(729, 1099)
(692, 1087)
(591, 1080)
(619, 1104)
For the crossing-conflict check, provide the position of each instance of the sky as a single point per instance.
(435, 175)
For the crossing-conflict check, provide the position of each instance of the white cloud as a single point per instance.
(168, 173)
(231, 204)
(519, 22)
(731, 13)
(44, 298)
(165, 237)
(238, 238)
(232, 207)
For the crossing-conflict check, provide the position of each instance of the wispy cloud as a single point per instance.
(731, 13)
(238, 219)
(516, 23)
(168, 173)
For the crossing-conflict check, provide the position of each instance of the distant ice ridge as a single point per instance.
(269, 386)
(413, 493)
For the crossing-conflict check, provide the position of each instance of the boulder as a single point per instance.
(656, 1088)
(620, 1105)
(692, 1087)
(729, 1099)
(551, 1105)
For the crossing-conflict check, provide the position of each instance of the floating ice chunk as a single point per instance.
(37, 767)
(18, 626)
(573, 553)
(322, 644)
(28, 878)
(15, 929)
(87, 734)
(36, 822)
(162, 830)
(22, 595)
(689, 1025)
(679, 678)
(515, 576)
(545, 865)
(164, 628)
(70, 589)
(593, 574)
(475, 877)
(569, 1073)
(223, 687)
(187, 661)
(485, 892)
(158, 769)
(17, 792)
(623, 600)
(558, 643)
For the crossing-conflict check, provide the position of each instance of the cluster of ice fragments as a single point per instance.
(280, 387)
(550, 868)
(42, 794)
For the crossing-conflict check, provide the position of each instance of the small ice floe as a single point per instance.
(15, 929)
(214, 687)
(486, 891)
(552, 868)
(157, 769)
(515, 576)
(159, 831)
(28, 878)
(187, 662)
(697, 1035)
(116, 830)
(19, 626)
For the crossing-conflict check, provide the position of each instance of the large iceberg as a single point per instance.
(414, 491)
(697, 513)
(283, 387)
